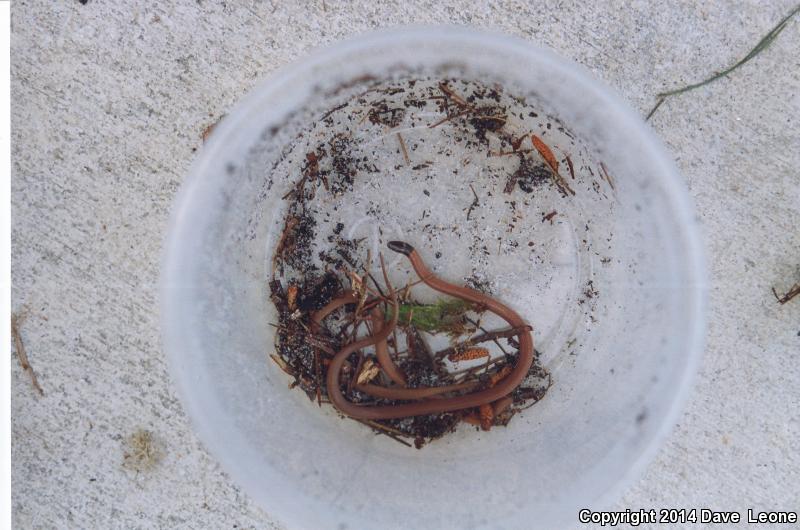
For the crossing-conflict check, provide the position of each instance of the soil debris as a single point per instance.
(382, 114)
(528, 176)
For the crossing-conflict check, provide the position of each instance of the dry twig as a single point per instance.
(791, 293)
(484, 337)
(16, 322)
(475, 203)
(403, 148)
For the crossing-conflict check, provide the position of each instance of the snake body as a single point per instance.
(499, 391)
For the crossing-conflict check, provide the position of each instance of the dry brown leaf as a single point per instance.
(291, 297)
(369, 372)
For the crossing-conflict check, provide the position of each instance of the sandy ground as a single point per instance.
(109, 103)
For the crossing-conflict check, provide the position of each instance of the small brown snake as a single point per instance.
(495, 393)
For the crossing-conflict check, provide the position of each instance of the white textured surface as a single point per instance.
(109, 102)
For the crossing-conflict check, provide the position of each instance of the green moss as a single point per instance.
(443, 316)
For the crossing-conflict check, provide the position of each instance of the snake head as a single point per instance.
(401, 247)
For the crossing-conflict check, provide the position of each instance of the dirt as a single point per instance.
(531, 175)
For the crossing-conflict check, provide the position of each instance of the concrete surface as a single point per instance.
(109, 100)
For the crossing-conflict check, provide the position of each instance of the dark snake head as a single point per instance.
(401, 247)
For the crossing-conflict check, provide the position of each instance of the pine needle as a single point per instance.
(762, 45)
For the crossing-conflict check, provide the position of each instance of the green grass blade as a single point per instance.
(761, 46)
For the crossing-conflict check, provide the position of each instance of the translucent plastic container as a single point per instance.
(612, 284)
